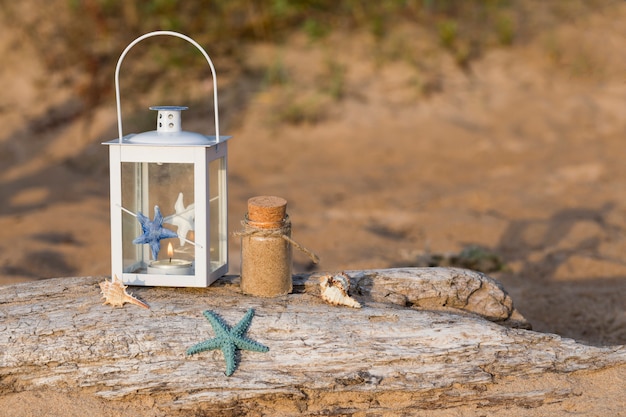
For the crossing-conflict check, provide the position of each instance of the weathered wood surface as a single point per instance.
(388, 356)
(441, 289)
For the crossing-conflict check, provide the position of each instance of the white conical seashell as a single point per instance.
(114, 293)
(334, 290)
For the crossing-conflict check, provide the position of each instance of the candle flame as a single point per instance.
(170, 250)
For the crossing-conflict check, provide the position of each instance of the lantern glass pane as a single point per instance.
(217, 208)
(170, 187)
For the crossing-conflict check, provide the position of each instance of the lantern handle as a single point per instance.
(177, 35)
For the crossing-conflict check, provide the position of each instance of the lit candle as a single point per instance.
(170, 266)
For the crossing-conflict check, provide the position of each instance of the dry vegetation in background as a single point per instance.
(82, 43)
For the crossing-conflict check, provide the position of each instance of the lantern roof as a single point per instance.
(169, 132)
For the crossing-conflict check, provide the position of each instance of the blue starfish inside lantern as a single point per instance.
(153, 232)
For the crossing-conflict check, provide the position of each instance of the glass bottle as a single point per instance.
(266, 251)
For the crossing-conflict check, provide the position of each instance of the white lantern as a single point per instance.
(168, 198)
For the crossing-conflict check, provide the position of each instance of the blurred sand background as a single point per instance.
(392, 149)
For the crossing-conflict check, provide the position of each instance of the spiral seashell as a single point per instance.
(334, 290)
(114, 293)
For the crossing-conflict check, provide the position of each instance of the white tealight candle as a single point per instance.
(170, 266)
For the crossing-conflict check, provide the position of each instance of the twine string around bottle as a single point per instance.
(278, 232)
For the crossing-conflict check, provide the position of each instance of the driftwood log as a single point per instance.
(426, 338)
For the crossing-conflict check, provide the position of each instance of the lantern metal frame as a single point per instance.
(200, 151)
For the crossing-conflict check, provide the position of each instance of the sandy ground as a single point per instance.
(522, 155)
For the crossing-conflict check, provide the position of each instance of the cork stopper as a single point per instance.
(266, 212)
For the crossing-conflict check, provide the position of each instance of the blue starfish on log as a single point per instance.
(153, 232)
(228, 339)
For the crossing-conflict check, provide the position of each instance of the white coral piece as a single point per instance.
(114, 293)
(335, 290)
